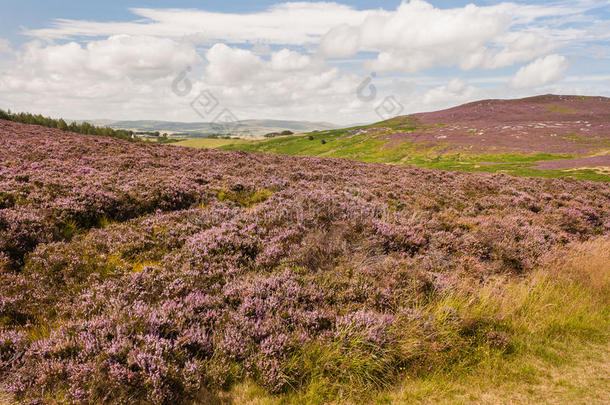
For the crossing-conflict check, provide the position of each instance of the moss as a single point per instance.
(68, 229)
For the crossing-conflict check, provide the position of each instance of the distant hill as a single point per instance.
(243, 129)
(487, 135)
(544, 124)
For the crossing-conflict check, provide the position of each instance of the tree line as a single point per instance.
(82, 128)
(276, 134)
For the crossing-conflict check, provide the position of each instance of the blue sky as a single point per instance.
(37, 13)
(272, 59)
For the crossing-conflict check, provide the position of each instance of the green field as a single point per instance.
(210, 143)
(368, 147)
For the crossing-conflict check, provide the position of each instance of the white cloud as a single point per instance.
(117, 57)
(293, 23)
(340, 42)
(542, 71)
(111, 75)
(232, 66)
(5, 46)
(287, 81)
(515, 47)
(287, 61)
(455, 92)
(418, 36)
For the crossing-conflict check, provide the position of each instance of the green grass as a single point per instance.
(208, 143)
(369, 148)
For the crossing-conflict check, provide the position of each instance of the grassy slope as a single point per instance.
(560, 353)
(368, 147)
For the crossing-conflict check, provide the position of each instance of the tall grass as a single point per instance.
(484, 343)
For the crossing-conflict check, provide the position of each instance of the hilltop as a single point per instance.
(520, 137)
(543, 124)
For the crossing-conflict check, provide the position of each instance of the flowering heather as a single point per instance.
(149, 273)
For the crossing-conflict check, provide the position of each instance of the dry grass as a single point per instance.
(5, 399)
(561, 315)
(560, 320)
(582, 377)
(588, 263)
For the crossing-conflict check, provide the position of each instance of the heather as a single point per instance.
(147, 273)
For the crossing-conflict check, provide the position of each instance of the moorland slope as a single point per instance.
(512, 136)
(141, 273)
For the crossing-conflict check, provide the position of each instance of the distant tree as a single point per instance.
(61, 124)
(84, 128)
(310, 138)
(272, 135)
(287, 133)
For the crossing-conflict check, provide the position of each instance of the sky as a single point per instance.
(342, 62)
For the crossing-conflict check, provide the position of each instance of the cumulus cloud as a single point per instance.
(455, 92)
(418, 36)
(231, 65)
(340, 42)
(121, 74)
(542, 71)
(287, 61)
(5, 46)
(117, 56)
(285, 80)
(514, 47)
(418, 25)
